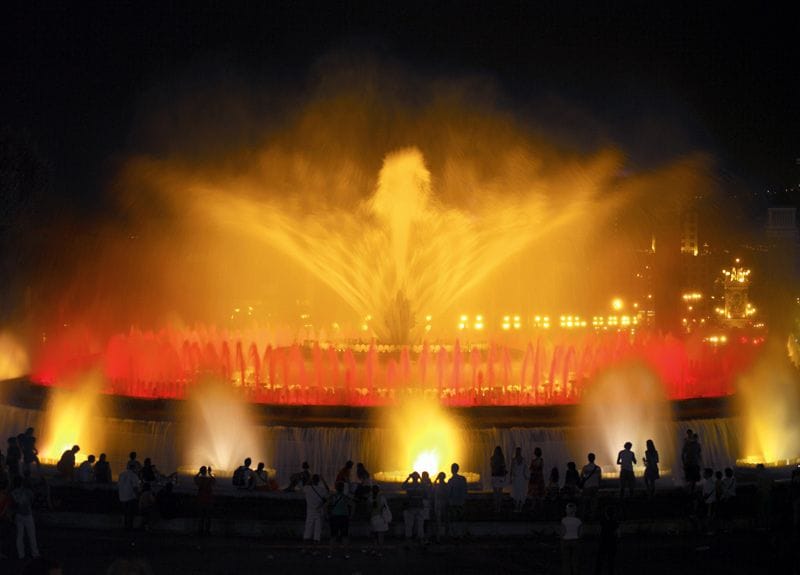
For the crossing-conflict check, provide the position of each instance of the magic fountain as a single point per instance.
(382, 265)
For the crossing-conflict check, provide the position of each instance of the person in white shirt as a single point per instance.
(570, 531)
(22, 497)
(316, 494)
(86, 470)
(626, 460)
(128, 488)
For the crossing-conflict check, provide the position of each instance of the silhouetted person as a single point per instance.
(571, 480)
(552, 485)
(102, 470)
(440, 498)
(340, 508)
(651, 472)
(316, 495)
(591, 475)
(149, 472)
(708, 499)
(413, 518)
(456, 498)
(570, 531)
(66, 465)
(379, 517)
(30, 454)
(364, 479)
(133, 463)
(728, 496)
(13, 457)
(427, 500)
(23, 498)
(626, 460)
(499, 471)
(86, 470)
(261, 478)
(243, 476)
(691, 456)
(147, 505)
(343, 476)
(301, 478)
(519, 480)
(204, 480)
(607, 547)
(128, 485)
(536, 486)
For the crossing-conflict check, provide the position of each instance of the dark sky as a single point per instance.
(722, 79)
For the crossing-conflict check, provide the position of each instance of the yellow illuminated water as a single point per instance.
(626, 403)
(73, 416)
(13, 357)
(218, 429)
(424, 438)
(399, 248)
(768, 400)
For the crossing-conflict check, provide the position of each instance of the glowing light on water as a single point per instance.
(218, 429)
(426, 438)
(427, 461)
(769, 403)
(626, 403)
(73, 415)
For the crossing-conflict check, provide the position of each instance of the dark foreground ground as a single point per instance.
(260, 533)
(84, 551)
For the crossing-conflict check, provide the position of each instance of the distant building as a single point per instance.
(782, 267)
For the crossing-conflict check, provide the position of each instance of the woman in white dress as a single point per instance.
(519, 480)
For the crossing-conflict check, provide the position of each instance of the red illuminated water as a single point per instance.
(550, 369)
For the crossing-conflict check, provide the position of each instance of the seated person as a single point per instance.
(243, 476)
(301, 478)
(86, 470)
(261, 480)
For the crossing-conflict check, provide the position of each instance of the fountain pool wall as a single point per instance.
(326, 448)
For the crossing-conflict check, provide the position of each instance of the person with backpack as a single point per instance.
(243, 476)
(340, 508)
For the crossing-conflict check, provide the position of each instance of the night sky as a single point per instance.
(79, 84)
(723, 78)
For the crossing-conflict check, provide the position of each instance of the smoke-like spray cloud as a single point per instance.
(295, 208)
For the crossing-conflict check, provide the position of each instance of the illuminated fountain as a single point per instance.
(396, 257)
(423, 438)
(13, 357)
(73, 415)
(397, 252)
(218, 430)
(554, 368)
(626, 403)
(768, 399)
